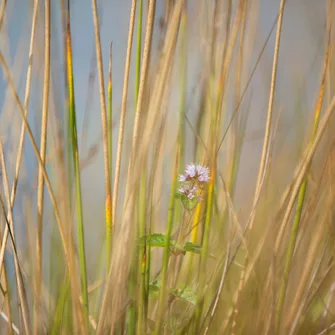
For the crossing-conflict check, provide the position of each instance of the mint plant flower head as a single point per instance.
(193, 182)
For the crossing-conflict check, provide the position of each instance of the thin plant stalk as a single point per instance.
(123, 111)
(204, 249)
(183, 61)
(226, 62)
(237, 141)
(59, 311)
(166, 255)
(141, 318)
(131, 312)
(76, 164)
(5, 293)
(110, 155)
(182, 106)
(40, 194)
(194, 236)
(2, 12)
(142, 83)
(301, 198)
(157, 151)
(266, 142)
(65, 18)
(109, 210)
(26, 102)
(138, 49)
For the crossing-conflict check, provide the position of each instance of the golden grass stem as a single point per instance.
(110, 157)
(26, 102)
(5, 288)
(2, 11)
(123, 112)
(141, 309)
(105, 131)
(266, 142)
(40, 188)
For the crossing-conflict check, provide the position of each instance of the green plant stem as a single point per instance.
(141, 324)
(204, 251)
(133, 320)
(131, 313)
(109, 212)
(290, 252)
(75, 158)
(183, 71)
(166, 255)
(59, 311)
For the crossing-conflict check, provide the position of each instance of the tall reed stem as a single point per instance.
(76, 164)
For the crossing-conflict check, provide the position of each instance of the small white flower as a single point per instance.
(193, 180)
(193, 189)
(190, 195)
(203, 174)
(204, 178)
(191, 170)
(200, 169)
(182, 190)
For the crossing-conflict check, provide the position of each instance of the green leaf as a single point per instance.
(154, 240)
(189, 204)
(155, 285)
(154, 288)
(159, 240)
(191, 247)
(185, 293)
(316, 309)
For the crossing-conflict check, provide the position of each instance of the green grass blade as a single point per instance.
(75, 158)
(166, 255)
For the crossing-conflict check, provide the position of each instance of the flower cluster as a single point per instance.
(193, 181)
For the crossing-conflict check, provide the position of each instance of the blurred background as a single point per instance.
(195, 70)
